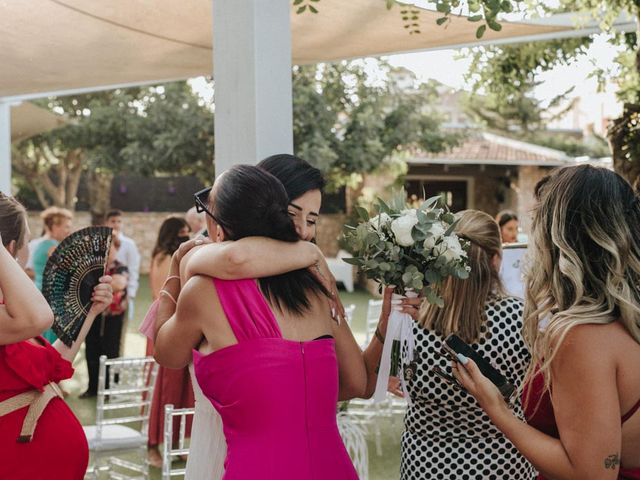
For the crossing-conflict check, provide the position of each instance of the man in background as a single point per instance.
(196, 221)
(128, 256)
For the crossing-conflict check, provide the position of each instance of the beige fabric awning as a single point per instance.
(57, 46)
(28, 120)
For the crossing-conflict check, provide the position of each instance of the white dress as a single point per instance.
(208, 447)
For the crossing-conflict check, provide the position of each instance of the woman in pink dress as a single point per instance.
(582, 324)
(270, 358)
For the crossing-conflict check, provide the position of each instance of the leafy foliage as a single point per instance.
(406, 247)
(623, 132)
(346, 125)
(142, 130)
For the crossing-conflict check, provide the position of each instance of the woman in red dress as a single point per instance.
(582, 324)
(50, 442)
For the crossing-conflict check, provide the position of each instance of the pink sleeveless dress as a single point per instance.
(277, 397)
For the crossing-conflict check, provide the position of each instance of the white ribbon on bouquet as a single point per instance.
(399, 327)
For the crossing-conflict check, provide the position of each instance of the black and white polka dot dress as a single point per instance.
(447, 435)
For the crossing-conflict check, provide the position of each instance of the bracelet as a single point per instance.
(165, 293)
(171, 277)
(379, 336)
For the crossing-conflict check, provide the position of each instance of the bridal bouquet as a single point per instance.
(414, 249)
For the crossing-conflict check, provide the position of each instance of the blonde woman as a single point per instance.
(446, 434)
(582, 323)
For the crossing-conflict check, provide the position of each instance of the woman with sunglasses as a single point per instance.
(582, 323)
(261, 257)
(253, 257)
(269, 358)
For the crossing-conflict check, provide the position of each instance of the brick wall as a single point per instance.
(528, 176)
(143, 228)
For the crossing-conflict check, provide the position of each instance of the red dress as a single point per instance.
(172, 386)
(539, 414)
(59, 447)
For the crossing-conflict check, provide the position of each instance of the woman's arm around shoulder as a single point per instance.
(179, 335)
(252, 257)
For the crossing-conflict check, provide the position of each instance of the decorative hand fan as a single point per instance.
(72, 271)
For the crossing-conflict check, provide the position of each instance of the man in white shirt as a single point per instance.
(128, 255)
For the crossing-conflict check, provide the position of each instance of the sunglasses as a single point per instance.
(201, 200)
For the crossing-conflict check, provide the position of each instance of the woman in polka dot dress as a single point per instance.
(447, 435)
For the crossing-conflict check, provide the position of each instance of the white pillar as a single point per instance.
(5, 148)
(252, 75)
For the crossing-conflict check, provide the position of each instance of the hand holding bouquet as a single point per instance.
(414, 249)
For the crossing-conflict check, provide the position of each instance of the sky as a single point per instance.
(450, 66)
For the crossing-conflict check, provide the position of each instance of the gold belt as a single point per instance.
(37, 402)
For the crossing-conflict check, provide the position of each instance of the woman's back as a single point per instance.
(446, 426)
(277, 396)
(610, 343)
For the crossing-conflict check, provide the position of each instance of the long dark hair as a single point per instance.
(168, 240)
(248, 201)
(297, 176)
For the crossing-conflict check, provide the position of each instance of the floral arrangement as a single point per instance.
(411, 248)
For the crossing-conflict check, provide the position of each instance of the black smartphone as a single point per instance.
(454, 345)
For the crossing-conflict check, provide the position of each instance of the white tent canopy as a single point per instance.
(56, 46)
(28, 120)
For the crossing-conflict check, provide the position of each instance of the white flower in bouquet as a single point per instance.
(436, 231)
(380, 221)
(450, 249)
(402, 226)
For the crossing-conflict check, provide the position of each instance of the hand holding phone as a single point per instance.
(454, 345)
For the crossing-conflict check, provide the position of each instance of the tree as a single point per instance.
(343, 123)
(165, 129)
(346, 124)
(519, 64)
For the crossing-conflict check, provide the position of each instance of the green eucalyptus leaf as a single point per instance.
(448, 217)
(301, 9)
(352, 261)
(432, 276)
(443, 7)
(493, 25)
(480, 31)
(451, 228)
(430, 202)
(475, 18)
(363, 214)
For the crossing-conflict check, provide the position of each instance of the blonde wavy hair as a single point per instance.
(585, 260)
(464, 300)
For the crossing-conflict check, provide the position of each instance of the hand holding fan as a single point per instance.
(72, 272)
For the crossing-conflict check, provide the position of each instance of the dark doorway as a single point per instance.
(453, 192)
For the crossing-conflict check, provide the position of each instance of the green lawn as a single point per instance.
(381, 467)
